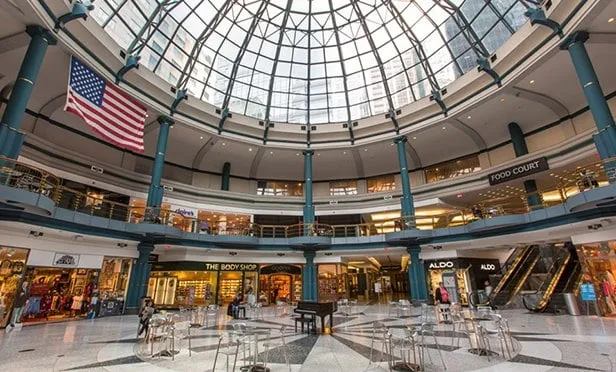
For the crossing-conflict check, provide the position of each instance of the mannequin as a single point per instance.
(608, 292)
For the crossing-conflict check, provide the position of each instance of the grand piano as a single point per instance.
(320, 309)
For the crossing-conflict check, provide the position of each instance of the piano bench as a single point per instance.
(311, 320)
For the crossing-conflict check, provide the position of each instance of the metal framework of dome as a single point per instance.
(310, 61)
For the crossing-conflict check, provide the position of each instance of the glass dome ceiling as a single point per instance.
(310, 61)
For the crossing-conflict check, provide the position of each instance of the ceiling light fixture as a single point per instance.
(610, 20)
(365, 150)
(271, 153)
(444, 128)
(344, 153)
(502, 100)
(201, 137)
(532, 82)
(414, 138)
(250, 149)
(224, 144)
(468, 117)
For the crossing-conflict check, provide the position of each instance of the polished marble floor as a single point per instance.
(542, 343)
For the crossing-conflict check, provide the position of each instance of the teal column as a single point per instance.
(605, 139)
(155, 193)
(309, 278)
(140, 274)
(226, 174)
(417, 275)
(408, 207)
(519, 147)
(308, 206)
(10, 136)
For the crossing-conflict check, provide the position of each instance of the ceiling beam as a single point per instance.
(410, 151)
(254, 167)
(470, 132)
(15, 41)
(602, 38)
(553, 104)
(359, 163)
(207, 146)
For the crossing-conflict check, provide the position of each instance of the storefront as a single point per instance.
(459, 276)
(113, 284)
(12, 265)
(333, 282)
(599, 268)
(280, 282)
(61, 285)
(187, 283)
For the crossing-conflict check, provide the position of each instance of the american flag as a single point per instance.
(111, 113)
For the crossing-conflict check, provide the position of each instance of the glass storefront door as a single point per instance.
(12, 263)
(599, 268)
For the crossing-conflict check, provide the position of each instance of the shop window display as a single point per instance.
(599, 268)
(333, 282)
(59, 293)
(113, 284)
(183, 288)
(12, 263)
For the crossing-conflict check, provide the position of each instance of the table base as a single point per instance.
(405, 366)
(482, 352)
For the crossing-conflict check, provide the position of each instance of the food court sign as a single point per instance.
(519, 171)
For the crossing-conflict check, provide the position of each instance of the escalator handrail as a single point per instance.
(512, 267)
(524, 277)
(547, 293)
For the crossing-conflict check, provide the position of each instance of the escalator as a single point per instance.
(562, 277)
(523, 261)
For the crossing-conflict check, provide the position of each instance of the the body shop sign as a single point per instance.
(519, 171)
(231, 267)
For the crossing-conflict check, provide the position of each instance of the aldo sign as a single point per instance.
(519, 171)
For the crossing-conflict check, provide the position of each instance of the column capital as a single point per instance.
(36, 31)
(308, 152)
(145, 247)
(401, 139)
(162, 119)
(310, 255)
(579, 37)
(414, 249)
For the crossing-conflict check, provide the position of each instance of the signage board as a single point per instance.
(519, 171)
(231, 267)
(65, 260)
(377, 288)
(281, 268)
(391, 268)
(441, 265)
(487, 267)
(152, 258)
(588, 292)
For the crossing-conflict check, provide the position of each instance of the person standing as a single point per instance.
(488, 288)
(441, 295)
(20, 304)
(145, 315)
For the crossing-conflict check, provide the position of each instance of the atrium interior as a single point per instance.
(302, 185)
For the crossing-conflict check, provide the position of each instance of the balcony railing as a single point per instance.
(19, 175)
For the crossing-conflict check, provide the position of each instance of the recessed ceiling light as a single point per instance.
(250, 149)
(610, 20)
(201, 137)
(365, 150)
(318, 154)
(444, 128)
(469, 117)
(502, 100)
(271, 153)
(224, 144)
(532, 82)
(391, 144)
(414, 138)
(344, 153)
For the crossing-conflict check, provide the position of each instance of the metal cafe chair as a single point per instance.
(380, 334)
(457, 321)
(230, 348)
(405, 307)
(180, 332)
(283, 345)
(211, 313)
(428, 329)
(394, 306)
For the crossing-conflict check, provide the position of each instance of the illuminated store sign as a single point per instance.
(230, 267)
(519, 171)
(488, 267)
(441, 265)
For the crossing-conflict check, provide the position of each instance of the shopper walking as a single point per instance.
(21, 301)
(145, 315)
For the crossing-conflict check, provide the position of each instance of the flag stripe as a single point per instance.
(118, 100)
(93, 119)
(128, 100)
(110, 112)
(115, 118)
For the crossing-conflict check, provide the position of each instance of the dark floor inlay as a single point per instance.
(122, 341)
(297, 351)
(25, 350)
(113, 362)
(521, 358)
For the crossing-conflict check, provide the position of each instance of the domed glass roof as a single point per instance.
(310, 61)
